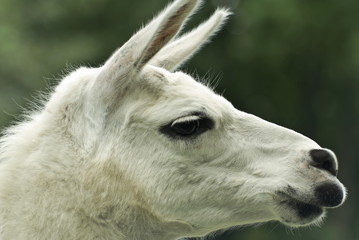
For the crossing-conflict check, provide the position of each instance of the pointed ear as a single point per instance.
(180, 50)
(135, 53)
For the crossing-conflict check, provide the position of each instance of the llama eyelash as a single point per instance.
(188, 127)
(185, 119)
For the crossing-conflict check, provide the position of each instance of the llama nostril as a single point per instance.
(329, 195)
(323, 159)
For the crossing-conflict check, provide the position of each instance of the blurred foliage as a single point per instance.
(292, 62)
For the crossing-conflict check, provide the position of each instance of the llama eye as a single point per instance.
(187, 127)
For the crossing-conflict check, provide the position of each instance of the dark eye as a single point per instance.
(187, 127)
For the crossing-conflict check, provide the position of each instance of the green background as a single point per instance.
(292, 62)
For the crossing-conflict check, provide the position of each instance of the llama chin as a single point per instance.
(137, 150)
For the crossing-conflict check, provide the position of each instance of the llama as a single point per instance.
(137, 150)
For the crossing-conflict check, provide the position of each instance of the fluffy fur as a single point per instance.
(101, 160)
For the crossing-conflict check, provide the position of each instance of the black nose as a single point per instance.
(323, 159)
(329, 195)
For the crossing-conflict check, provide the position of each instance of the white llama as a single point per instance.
(134, 150)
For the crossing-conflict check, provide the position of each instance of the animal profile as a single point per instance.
(135, 149)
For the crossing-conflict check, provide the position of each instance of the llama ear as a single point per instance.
(138, 51)
(180, 50)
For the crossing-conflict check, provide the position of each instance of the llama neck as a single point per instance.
(74, 206)
(138, 224)
(113, 203)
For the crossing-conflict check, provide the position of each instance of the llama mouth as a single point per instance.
(305, 212)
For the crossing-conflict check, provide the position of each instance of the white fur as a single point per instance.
(94, 164)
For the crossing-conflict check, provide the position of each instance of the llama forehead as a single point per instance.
(179, 94)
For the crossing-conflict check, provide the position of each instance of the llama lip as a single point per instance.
(304, 210)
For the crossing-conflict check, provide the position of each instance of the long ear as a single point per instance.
(135, 53)
(180, 50)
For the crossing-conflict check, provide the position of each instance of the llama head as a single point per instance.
(180, 152)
